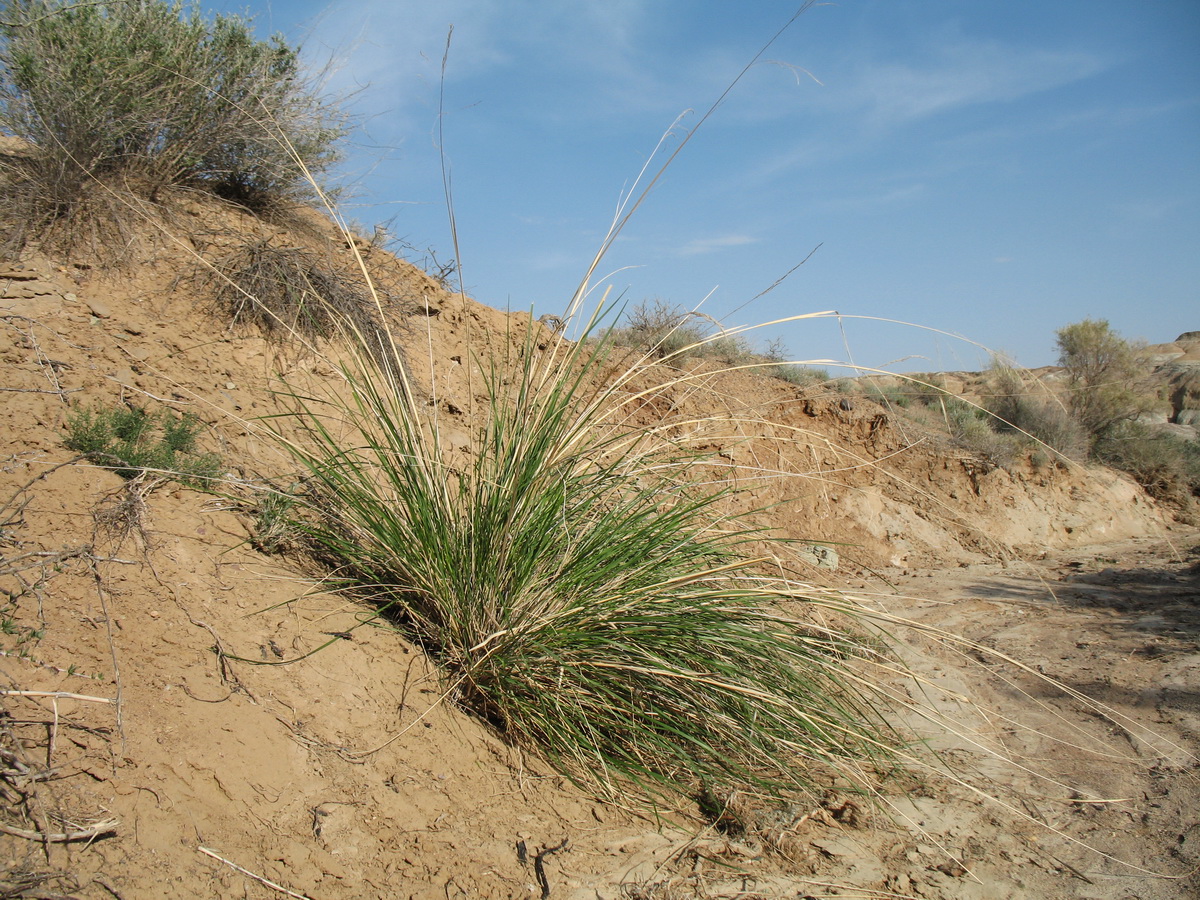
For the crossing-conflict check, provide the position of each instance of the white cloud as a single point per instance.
(960, 73)
(395, 50)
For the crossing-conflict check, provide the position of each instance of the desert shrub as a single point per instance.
(672, 333)
(1166, 465)
(1108, 380)
(974, 429)
(292, 292)
(660, 328)
(129, 440)
(140, 95)
(1032, 409)
(889, 394)
(578, 583)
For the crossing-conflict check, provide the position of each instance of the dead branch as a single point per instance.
(108, 826)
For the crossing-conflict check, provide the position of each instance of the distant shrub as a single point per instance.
(927, 388)
(141, 95)
(660, 328)
(1167, 466)
(673, 333)
(730, 349)
(794, 373)
(973, 429)
(1024, 408)
(129, 440)
(889, 394)
(1108, 380)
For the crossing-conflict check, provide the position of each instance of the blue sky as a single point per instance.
(991, 168)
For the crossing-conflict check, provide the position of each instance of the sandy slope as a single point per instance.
(346, 773)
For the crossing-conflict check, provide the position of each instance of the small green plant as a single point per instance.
(142, 95)
(129, 440)
(275, 529)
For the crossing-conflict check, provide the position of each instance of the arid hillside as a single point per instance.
(189, 707)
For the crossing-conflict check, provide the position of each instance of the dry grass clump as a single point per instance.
(290, 292)
(673, 335)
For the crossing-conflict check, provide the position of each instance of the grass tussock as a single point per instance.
(293, 292)
(582, 592)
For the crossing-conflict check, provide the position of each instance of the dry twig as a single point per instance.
(250, 874)
(108, 826)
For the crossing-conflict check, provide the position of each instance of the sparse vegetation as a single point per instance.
(795, 373)
(131, 441)
(1109, 389)
(673, 334)
(1026, 408)
(125, 98)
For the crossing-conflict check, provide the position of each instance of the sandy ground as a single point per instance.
(205, 722)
